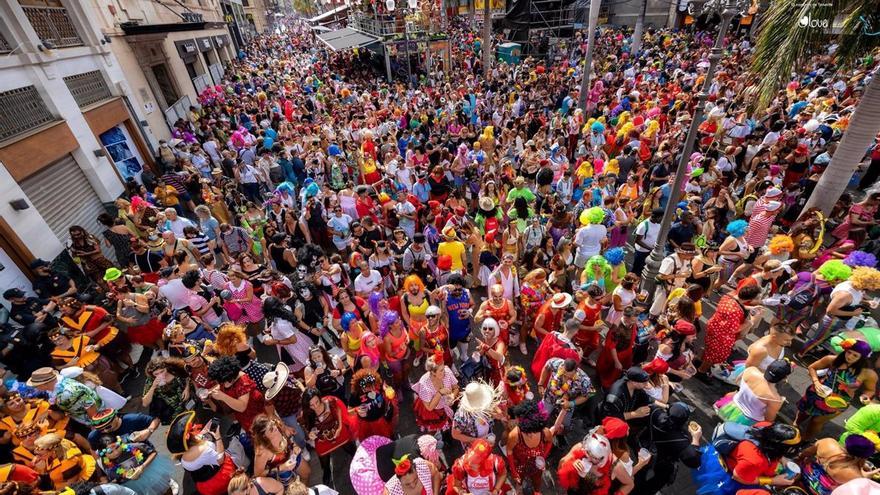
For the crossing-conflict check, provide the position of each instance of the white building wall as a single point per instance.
(45, 70)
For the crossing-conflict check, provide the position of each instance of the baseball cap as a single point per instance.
(13, 293)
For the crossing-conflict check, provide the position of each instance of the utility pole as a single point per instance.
(588, 58)
(487, 39)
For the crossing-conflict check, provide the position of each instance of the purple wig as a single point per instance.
(389, 318)
(860, 258)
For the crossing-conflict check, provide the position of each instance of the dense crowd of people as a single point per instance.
(467, 252)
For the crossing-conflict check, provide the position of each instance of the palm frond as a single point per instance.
(787, 38)
(860, 31)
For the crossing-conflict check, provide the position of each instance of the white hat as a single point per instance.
(478, 398)
(773, 192)
(560, 300)
(275, 380)
(432, 310)
(773, 205)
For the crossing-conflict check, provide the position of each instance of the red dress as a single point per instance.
(326, 428)
(256, 404)
(722, 330)
(437, 339)
(608, 374)
(588, 341)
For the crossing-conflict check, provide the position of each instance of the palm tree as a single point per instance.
(794, 30)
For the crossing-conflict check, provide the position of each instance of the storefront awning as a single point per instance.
(327, 16)
(345, 38)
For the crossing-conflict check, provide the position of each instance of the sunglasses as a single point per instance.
(431, 316)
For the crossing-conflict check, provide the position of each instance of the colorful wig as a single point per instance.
(600, 262)
(781, 243)
(229, 336)
(412, 280)
(737, 228)
(834, 271)
(389, 318)
(594, 215)
(864, 278)
(615, 256)
(860, 258)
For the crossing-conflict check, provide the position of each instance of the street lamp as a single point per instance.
(727, 9)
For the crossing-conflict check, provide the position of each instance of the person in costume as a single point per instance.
(847, 300)
(277, 453)
(586, 468)
(135, 465)
(478, 472)
(760, 354)
(327, 424)
(97, 324)
(478, 407)
(752, 463)
(374, 405)
(733, 250)
(828, 464)
(529, 442)
(78, 351)
(617, 348)
(413, 477)
(803, 292)
(373, 463)
(493, 349)
(61, 461)
(844, 377)
(201, 452)
(435, 393)
(499, 308)
(757, 398)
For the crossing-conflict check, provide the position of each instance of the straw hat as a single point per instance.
(155, 242)
(275, 380)
(478, 398)
(486, 203)
(42, 376)
(560, 300)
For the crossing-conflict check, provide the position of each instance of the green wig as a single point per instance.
(835, 271)
(601, 262)
(596, 215)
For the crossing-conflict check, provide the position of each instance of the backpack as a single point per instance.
(740, 205)
(728, 435)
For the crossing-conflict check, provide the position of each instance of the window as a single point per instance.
(21, 110)
(166, 87)
(88, 88)
(51, 22)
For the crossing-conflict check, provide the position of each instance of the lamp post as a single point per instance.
(727, 9)
(487, 39)
(588, 57)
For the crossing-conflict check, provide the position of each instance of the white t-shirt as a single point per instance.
(342, 225)
(672, 264)
(650, 231)
(365, 285)
(589, 239)
(177, 295)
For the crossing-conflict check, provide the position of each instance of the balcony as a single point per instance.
(21, 110)
(395, 26)
(88, 88)
(4, 45)
(53, 26)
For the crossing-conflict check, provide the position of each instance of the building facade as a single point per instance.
(72, 130)
(169, 51)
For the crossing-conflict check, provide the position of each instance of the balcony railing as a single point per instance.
(384, 26)
(53, 25)
(21, 110)
(4, 45)
(88, 88)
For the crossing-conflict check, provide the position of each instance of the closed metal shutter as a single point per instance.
(64, 197)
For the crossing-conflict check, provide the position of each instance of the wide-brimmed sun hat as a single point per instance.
(560, 300)
(275, 380)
